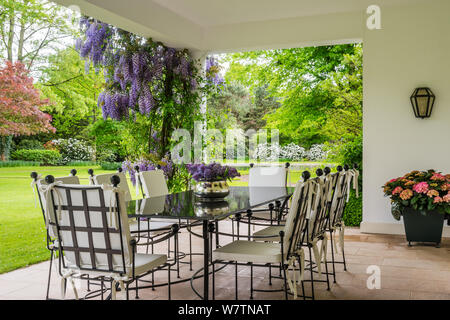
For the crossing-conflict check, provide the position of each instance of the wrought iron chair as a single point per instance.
(286, 252)
(51, 235)
(153, 184)
(335, 222)
(94, 237)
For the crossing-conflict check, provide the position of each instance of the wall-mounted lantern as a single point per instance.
(422, 101)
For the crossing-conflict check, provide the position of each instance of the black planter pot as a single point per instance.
(421, 227)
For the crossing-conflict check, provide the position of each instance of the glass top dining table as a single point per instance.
(187, 206)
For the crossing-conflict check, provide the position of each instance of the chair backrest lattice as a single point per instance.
(303, 201)
(319, 216)
(339, 197)
(92, 227)
(74, 180)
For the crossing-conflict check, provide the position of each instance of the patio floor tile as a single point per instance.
(418, 272)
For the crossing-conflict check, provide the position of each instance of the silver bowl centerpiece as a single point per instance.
(211, 190)
(203, 208)
(211, 180)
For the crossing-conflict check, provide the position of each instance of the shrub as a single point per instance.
(316, 153)
(267, 152)
(78, 163)
(19, 163)
(352, 152)
(29, 144)
(105, 155)
(111, 165)
(293, 152)
(353, 210)
(45, 157)
(73, 150)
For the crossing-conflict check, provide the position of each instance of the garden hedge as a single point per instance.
(45, 157)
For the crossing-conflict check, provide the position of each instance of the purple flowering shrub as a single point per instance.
(165, 164)
(211, 172)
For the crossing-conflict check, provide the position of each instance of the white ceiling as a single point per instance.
(234, 25)
(207, 13)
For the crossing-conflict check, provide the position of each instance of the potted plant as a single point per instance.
(211, 180)
(423, 199)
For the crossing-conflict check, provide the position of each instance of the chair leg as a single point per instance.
(285, 283)
(213, 281)
(270, 274)
(190, 249)
(177, 250)
(251, 281)
(101, 284)
(127, 292)
(168, 286)
(311, 271)
(137, 288)
(343, 256)
(326, 271)
(236, 280)
(332, 256)
(49, 274)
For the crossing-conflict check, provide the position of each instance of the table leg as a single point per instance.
(205, 260)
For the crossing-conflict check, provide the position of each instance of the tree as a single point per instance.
(309, 83)
(19, 104)
(73, 92)
(143, 77)
(30, 28)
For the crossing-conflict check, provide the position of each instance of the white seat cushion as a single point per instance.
(143, 226)
(271, 233)
(249, 251)
(146, 262)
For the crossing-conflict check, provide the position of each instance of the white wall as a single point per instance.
(411, 50)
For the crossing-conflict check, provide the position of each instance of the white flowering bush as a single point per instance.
(293, 152)
(316, 152)
(73, 150)
(267, 152)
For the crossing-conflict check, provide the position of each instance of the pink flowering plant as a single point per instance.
(420, 190)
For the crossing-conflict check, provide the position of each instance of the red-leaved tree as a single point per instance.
(19, 103)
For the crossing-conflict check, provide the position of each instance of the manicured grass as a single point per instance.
(22, 229)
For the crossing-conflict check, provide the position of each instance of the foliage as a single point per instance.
(45, 157)
(316, 152)
(73, 150)
(293, 152)
(352, 152)
(148, 163)
(80, 163)
(353, 210)
(110, 165)
(20, 102)
(31, 29)
(109, 139)
(211, 172)
(18, 163)
(73, 93)
(420, 190)
(29, 144)
(320, 90)
(267, 152)
(143, 77)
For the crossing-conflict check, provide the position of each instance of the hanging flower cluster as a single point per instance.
(213, 71)
(140, 74)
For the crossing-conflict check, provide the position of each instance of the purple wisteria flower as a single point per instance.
(211, 172)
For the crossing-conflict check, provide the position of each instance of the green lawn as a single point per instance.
(22, 230)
